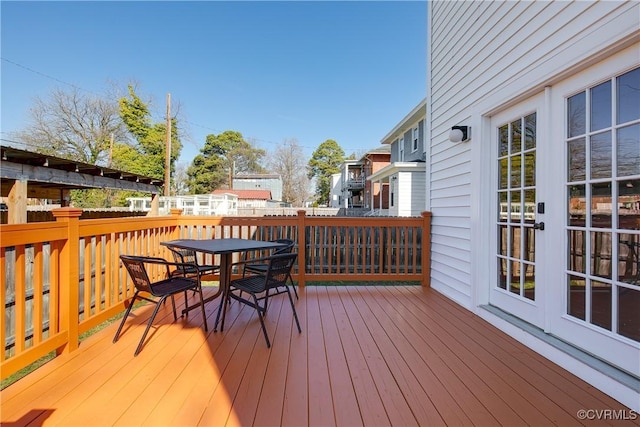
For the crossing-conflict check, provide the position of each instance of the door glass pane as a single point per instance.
(514, 209)
(529, 290)
(503, 141)
(577, 160)
(503, 173)
(601, 304)
(628, 106)
(516, 137)
(529, 244)
(576, 115)
(503, 206)
(601, 155)
(530, 132)
(530, 169)
(503, 240)
(628, 313)
(516, 170)
(515, 277)
(628, 142)
(601, 106)
(576, 298)
(502, 273)
(601, 205)
(577, 205)
(601, 254)
(529, 206)
(629, 204)
(629, 259)
(577, 251)
(516, 233)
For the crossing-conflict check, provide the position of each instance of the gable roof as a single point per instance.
(247, 194)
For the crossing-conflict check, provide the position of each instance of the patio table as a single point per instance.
(225, 248)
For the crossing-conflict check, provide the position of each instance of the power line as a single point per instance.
(155, 110)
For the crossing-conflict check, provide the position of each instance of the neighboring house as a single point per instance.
(250, 198)
(351, 188)
(376, 194)
(405, 175)
(201, 204)
(271, 182)
(536, 216)
(335, 195)
(352, 179)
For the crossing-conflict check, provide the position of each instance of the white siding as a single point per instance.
(411, 196)
(482, 56)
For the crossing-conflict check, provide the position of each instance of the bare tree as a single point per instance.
(288, 161)
(74, 125)
(180, 180)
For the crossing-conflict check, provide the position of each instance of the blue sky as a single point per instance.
(342, 70)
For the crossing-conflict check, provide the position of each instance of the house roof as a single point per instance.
(247, 194)
(418, 112)
(258, 176)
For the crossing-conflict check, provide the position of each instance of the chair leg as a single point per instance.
(261, 317)
(124, 318)
(204, 314)
(153, 316)
(293, 285)
(295, 314)
(173, 305)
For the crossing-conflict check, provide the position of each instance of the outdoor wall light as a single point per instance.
(460, 133)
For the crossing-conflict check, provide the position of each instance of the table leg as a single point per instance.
(226, 260)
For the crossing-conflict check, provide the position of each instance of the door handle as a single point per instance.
(538, 226)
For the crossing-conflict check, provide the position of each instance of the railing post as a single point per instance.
(302, 245)
(426, 249)
(175, 214)
(69, 280)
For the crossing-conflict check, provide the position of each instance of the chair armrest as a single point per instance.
(252, 261)
(168, 264)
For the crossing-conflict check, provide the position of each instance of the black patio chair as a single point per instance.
(257, 266)
(161, 289)
(189, 256)
(263, 286)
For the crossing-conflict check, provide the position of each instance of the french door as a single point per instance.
(517, 211)
(599, 289)
(566, 211)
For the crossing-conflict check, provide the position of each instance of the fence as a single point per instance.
(60, 279)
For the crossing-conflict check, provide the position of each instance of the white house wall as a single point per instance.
(412, 187)
(483, 56)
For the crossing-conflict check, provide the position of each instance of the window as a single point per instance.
(416, 136)
(401, 149)
(603, 201)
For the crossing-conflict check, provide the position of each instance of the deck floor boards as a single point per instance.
(367, 355)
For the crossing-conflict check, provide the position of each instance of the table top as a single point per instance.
(221, 246)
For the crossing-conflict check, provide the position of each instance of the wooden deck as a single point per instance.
(373, 356)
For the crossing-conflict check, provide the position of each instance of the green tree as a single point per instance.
(221, 156)
(325, 161)
(146, 157)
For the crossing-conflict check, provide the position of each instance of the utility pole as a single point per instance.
(167, 165)
(111, 150)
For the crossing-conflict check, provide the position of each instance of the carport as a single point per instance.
(26, 174)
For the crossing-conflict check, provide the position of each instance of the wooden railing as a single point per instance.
(60, 279)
